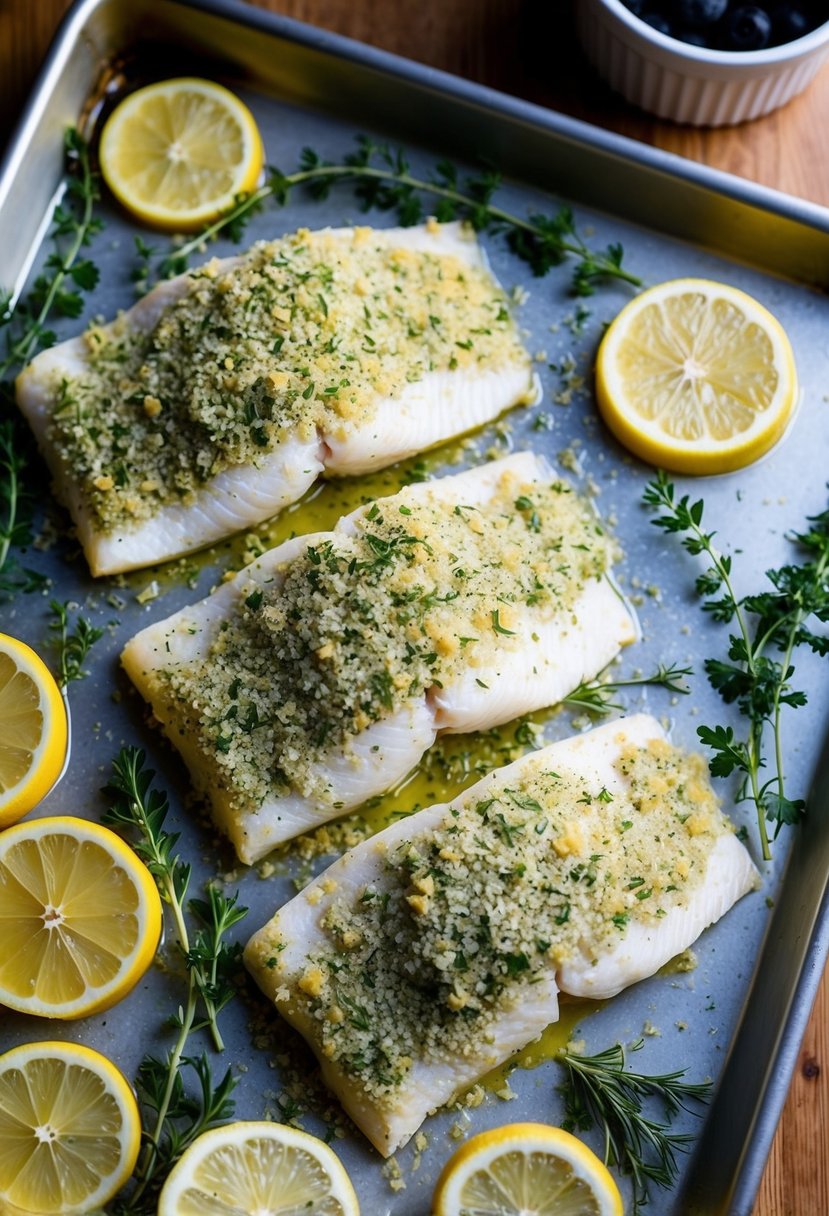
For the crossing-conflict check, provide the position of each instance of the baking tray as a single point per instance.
(740, 1015)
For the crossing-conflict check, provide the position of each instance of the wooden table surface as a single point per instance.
(527, 48)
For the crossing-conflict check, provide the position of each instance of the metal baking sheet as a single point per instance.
(738, 1017)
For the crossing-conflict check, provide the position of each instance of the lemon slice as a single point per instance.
(525, 1169)
(178, 153)
(696, 377)
(33, 730)
(80, 918)
(70, 1130)
(258, 1167)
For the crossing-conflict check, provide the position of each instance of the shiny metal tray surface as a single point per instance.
(740, 1015)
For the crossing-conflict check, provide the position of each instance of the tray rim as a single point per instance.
(738, 1197)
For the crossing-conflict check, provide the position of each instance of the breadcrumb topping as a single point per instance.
(303, 335)
(468, 915)
(360, 626)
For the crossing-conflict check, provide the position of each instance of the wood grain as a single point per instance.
(526, 47)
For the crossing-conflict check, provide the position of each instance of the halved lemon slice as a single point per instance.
(70, 1130)
(258, 1167)
(80, 918)
(696, 377)
(33, 730)
(526, 1169)
(178, 153)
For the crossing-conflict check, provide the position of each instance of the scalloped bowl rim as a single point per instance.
(707, 57)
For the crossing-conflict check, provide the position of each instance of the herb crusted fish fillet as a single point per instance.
(219, 398)
(322, 672)
(427, 955)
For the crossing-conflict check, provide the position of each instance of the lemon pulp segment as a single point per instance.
(526, 1169)
(178, 153)
(697, 377)
(33, 730)
(258, 1167)
(80, 918)
(70, 1129)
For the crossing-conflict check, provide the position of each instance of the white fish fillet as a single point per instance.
(425, 413)
(279, 953)
(571, 646)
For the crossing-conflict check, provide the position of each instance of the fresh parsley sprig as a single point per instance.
(597, 696)
(601, 1092)
(177, 1116)
(382, 180)
(750, 676)
(73, 645)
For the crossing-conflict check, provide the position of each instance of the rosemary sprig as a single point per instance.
(73, 645)
(596, 696)
(601, 1092)
(756, 682)
(382, 180)
(176, 1116)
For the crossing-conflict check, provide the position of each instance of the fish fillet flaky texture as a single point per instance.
(222, 395)
(322, 672)
(427, 955)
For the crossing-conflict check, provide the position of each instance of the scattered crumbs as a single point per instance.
(506, 1093)
(686, 961)
(421, 1143)
(459, 1128)
(580, 722)
(540, 356)
(681, 1025)
(711, 1006)
(303, 876)
(116, 601)
(150, 592)
(393, 1174)
(576, 320)
(568, 458)
(769, 902)
(473, 1098)
(520, 295)
(686, 629)
(543, 421)
(650, 1030)
(571, 381)
(266, 869)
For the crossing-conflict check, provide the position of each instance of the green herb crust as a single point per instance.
(300, 335)
(505, 889)
(360, 625)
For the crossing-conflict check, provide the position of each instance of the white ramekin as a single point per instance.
(689, 83)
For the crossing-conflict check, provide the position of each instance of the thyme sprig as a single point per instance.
(58, 290)
(15, 514)
(758, 683)
(175, 1116)
(597, 696)
(382, 179)
(66, 275)
(601, 1092)
(73, 645)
